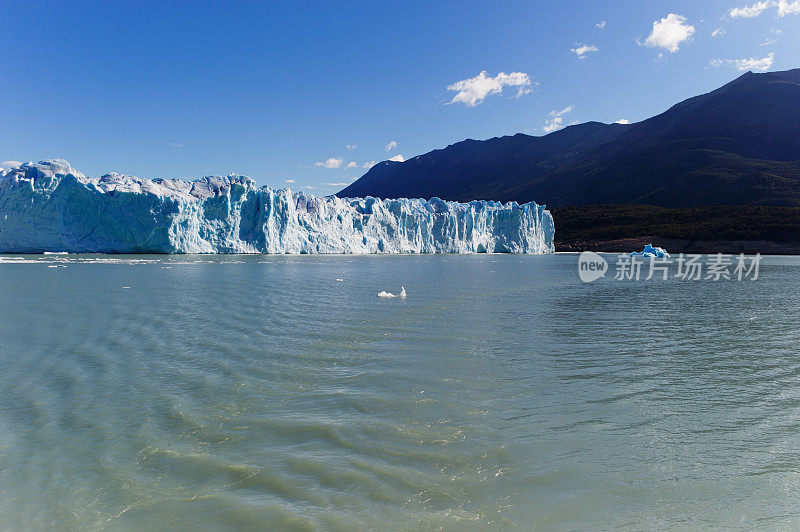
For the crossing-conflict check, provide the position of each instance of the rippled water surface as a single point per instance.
(282, 393)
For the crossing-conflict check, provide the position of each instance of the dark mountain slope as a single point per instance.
(737, 145)
(472, 168)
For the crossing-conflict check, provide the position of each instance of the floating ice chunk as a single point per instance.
(402, 293)
(51, 207)
(651, 251)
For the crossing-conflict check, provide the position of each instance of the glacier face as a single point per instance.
(50, 206)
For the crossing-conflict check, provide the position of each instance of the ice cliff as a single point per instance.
(50, 206)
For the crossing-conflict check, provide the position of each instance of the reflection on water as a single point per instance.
(260, 392)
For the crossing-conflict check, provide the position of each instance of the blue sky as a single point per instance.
(298, 90)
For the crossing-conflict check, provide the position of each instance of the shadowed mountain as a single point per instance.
(737, 145)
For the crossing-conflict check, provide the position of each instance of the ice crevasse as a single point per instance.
(50, 206)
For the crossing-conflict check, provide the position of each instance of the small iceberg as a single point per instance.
(650, 251)
(402, 293)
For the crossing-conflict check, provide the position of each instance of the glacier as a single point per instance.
(51, 207)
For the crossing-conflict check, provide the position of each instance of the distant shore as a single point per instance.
(674, 246)
(725, 229)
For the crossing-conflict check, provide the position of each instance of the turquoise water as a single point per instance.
(265, 393)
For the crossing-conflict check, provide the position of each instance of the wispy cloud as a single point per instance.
(398, 158)
(601, 25)
(351, 164)
(556, 120)
(775, 37)
(369, 164)
(719, 32)
(9, 164)
(473, 91)
(309, 187)
(352, 146)
(788, 8)
(757, 64)
(337, 184)
(669, 33)
(581, 50)
(749, 11)
(785, 7)
(176, 145)
(392, 145)
(623, 121)
(290, 180)
(332, 162)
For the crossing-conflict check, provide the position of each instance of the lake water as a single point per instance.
(271, 392)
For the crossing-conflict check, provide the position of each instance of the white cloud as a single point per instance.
(623, 121)
(759, 65)
(332, 162)
(392, 145)
(337, 184)
(553, 125)
(352, 146)
(582, 49)
(719, 32)
(772, 40)
(290, 180)
(176, 145)
(669, 33)
(351, 164)
(601, 25)
(369, 164)
(10, 164)
(753, 63)
(788, 8)
(556, 120)
(749, 11)
(309, 187)
(472, 91)
(398, 158)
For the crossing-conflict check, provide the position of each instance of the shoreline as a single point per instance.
(675, 246)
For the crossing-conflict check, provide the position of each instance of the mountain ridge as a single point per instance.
(736, 145)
